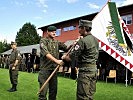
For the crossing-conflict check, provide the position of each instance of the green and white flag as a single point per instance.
(107, 28)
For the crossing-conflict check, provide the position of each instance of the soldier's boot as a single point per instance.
(41, 97)
(10, 88)
(13, 89)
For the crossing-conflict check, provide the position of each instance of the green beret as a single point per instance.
(13, 43)
(51, 28)
(85, 23)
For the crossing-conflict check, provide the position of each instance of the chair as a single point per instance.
(68, 72)
(131, 79)
(112, 74)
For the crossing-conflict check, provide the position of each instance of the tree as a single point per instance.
(4, 46)
(27, 35)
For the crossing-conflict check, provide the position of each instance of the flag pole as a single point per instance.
(108, 1)
(126, 78)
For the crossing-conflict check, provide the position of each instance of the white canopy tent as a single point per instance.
(24, 49)
(28, 49)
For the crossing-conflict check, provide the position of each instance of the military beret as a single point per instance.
(51, 28)
(13, 43)
(85, 23)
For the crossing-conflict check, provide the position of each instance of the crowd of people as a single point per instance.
(4, 61)
(29, 62)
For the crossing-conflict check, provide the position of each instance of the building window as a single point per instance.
(70, 28)
(127, 19)
(58, 32)
(66, 29)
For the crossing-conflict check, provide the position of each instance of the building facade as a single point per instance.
(68, 29)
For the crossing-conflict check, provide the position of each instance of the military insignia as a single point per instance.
(42, 45)
(76, 47)
(19, 54)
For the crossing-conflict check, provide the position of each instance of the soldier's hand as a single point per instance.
(59, 62)
(13, 68)
(63, 57)
(66, 58)
(80, 37)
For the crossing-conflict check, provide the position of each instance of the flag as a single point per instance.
(108, 29)
(127, 35)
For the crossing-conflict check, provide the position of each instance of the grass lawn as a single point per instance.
(28, 87)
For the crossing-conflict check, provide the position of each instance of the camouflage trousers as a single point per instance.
(13, 76)
(51, 85)
(86, 86)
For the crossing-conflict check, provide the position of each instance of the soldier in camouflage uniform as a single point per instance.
(87, 52)
(0, 61)
(14, 66)
(49, 55)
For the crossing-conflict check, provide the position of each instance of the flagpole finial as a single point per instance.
(109, 0)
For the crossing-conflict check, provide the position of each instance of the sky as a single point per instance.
(15, 13)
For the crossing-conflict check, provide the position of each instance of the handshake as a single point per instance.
(66, 57)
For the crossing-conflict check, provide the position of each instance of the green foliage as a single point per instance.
(28, 87)
(27, 35)
(4, 46)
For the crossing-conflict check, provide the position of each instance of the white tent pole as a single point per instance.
(126, 78)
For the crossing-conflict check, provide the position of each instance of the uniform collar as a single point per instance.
(87, 34)
(14, 49)
(50, 39)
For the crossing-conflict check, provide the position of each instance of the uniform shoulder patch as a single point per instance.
(19, 54)
(76, 47)
(42, 45)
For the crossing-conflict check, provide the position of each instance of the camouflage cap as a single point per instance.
(13, 43)
(85, 23)
(51, 28)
